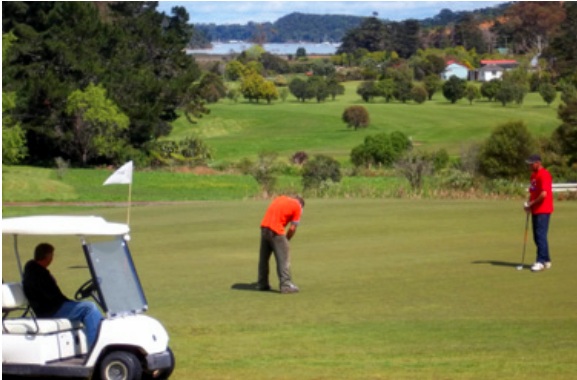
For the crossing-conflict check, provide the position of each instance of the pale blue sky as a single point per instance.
(241, 12)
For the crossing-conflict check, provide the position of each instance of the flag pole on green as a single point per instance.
(123, 176)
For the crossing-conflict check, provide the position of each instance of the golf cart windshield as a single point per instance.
(118, 285)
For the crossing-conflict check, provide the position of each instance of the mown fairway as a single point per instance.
(239, 130)
(391, 289)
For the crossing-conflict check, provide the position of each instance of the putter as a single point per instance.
(520, 267)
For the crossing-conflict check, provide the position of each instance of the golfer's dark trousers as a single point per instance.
(540, 224)
(271, 242)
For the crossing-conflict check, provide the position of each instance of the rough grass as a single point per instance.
(391, 289)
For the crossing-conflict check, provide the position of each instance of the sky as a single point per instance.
(241, 12)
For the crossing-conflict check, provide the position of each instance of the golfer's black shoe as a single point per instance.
(262, 288)
(292, 288)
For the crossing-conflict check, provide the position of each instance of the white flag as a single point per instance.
(122, 176)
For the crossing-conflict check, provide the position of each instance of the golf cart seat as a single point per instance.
(13, 299)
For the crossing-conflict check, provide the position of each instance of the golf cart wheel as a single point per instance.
(120, 365)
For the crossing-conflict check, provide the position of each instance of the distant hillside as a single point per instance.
(319, 28)
(293, 27)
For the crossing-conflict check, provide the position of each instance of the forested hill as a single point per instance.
(320, 28)
(293, 27)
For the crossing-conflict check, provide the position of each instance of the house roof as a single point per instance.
(490, 68)
(498, 62)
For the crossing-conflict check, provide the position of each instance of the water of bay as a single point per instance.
(237, 47)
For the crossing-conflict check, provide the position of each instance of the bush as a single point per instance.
(419, 94)
(320, 171)
(356, 117)
(504, 153)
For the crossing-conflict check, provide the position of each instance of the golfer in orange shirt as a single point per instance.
(283, 210)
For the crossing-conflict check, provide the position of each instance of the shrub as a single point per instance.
(419, 94)
(320, 171)
(356, 117)
(504, 153)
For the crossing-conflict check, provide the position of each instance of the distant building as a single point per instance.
(493, 69)
(455, 68)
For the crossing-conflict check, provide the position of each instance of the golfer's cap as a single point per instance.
(533, 158)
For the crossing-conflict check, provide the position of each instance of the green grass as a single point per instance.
(33, 185)
(239, 130)
(391, 289)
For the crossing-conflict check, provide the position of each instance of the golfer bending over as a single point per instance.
(282, 211)
(48, 301)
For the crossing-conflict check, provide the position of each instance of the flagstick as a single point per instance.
(129, 203)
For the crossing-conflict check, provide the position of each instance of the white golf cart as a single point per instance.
(129, 346)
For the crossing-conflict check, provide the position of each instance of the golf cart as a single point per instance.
(129, 346)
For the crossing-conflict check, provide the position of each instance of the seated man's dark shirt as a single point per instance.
(41, 289)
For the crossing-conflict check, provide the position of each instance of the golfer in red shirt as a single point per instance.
(282, 211)
(540, 205)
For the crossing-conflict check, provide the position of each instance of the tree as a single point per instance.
(98, 124)
(334, 87)
(432, 84)
(490, 89)
(419, 94)
(368, 90)
(504, 153)
(563, 48)
(386, 88)
(566, 134)
(13, 137)
(252, 87)
(234, 70)
(356, 117)
(301, 53)
(269, 91)
(300, 89)
(211, 88)
(472, 93)
(321, 171)
(548, 92)
(454, 89)
(371, 35)
(532, 24)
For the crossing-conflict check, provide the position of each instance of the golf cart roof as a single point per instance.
(62, 225)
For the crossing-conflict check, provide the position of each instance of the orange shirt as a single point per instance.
(282, 211)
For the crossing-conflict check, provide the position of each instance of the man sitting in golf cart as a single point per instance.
(48, 301)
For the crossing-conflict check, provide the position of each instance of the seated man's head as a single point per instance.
(43, 254)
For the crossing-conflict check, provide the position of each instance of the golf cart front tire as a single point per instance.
(120, 365)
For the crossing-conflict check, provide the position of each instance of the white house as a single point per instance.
(456, 69)
(494, 69)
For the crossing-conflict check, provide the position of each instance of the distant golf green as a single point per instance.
(390, 289)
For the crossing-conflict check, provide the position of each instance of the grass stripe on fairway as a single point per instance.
(389, 290)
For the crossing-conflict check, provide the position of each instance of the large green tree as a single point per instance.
(134, 52)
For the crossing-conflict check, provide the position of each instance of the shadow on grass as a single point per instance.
(252, 287)
(499, 263)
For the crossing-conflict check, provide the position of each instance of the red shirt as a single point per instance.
(541, 180)
(282, 211)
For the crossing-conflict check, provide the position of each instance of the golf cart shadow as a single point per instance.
(251, 286)
(497, 263)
